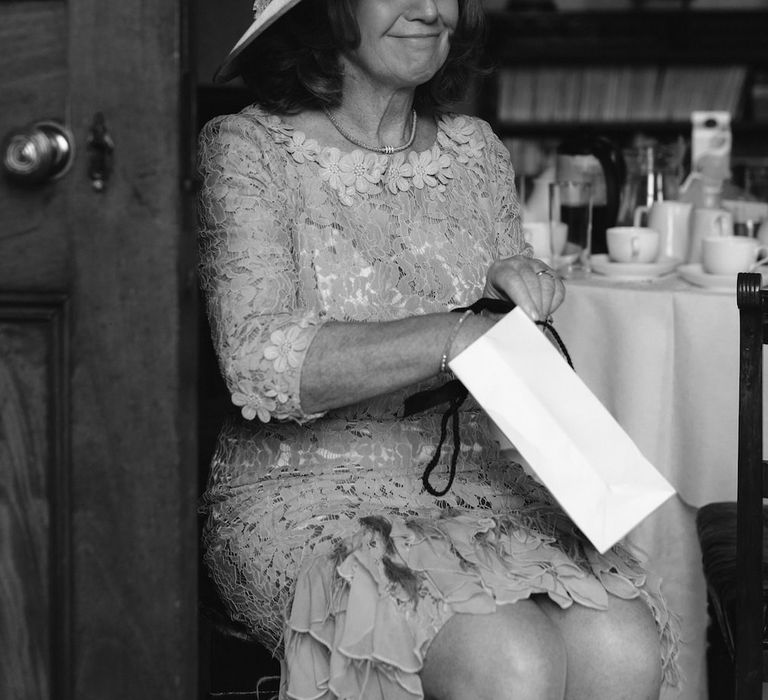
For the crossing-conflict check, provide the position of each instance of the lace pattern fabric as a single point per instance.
(293, 235)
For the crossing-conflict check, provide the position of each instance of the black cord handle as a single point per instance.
(455, 393)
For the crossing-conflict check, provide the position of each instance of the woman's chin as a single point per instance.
(420, 75)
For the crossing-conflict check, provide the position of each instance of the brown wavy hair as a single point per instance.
(294, 65)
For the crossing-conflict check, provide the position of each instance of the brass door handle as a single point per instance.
(38, 153)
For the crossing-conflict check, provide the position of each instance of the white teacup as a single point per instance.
(546, 237)
(632, 244)
(705, 223)
(536, 233)
(727, 255)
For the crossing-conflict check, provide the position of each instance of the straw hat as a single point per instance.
(265, 12)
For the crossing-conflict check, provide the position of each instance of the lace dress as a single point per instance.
(320, 536)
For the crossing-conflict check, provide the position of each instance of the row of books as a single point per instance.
(617, 93)
(652, 4)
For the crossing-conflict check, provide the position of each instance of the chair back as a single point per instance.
(752, 302)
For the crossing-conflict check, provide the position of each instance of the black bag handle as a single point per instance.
(454, 393)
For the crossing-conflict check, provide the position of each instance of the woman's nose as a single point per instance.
(422, 10)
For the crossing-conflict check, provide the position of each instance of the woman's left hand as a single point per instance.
(529, 282)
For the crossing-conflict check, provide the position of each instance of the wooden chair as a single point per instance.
(234, 664)
(733, 536)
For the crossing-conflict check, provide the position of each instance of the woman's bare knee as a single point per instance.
(635, 647)
(611, 654)
(513, 654)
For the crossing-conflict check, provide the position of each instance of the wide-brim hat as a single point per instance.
(265, 12)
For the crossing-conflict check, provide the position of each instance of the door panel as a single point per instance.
(34, 78)
(34, 498)
(124, 260)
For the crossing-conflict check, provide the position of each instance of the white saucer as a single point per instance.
(570, 255)
(632, 272)
(694, 274)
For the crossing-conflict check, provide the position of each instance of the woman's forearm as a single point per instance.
(351, 362)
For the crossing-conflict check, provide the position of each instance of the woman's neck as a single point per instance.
(376, 116)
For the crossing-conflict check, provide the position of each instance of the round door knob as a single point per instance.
(38, 153)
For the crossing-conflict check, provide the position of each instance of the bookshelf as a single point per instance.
(616, 93)
(623, 72)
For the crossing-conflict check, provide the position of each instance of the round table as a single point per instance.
(662, 356)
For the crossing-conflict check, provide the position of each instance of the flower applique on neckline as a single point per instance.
(358, 173)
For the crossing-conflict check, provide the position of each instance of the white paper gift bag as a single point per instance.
(569, 439)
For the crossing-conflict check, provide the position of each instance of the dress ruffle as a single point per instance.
(363, 616)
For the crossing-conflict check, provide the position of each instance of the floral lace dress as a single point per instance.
(320, 536)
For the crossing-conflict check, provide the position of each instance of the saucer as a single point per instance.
(694, 274)
(570, 255)
(632, 272)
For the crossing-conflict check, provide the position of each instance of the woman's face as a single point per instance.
(403, 43)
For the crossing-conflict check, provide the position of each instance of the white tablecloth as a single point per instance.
(662, 356)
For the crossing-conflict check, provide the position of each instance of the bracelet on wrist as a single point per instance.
(451, 339)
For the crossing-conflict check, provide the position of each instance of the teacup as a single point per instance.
(632, 244)
(536, 233)
(727, 255)
(546, 238)
(706, 223)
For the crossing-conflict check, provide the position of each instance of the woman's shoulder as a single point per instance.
(469, 134)
(461, 127)
(253, 124)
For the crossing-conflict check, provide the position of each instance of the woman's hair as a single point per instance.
(294, 65)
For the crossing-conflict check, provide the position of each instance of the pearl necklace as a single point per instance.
(387, 150)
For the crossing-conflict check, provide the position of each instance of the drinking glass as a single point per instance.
(570, 203)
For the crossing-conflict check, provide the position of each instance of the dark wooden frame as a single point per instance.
(51, 310)
(753, 312)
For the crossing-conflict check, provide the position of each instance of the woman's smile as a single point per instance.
(419, 42)
(403, 43)
(431, 35)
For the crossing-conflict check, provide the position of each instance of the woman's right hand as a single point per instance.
(528, 282)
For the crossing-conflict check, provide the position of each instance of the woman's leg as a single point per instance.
(612, 654)
(516, 653)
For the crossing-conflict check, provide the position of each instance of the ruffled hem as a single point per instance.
(363, 617)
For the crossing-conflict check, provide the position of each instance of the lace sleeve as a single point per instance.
(248, 270)
(509, 233)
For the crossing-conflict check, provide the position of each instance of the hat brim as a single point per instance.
(272, 12)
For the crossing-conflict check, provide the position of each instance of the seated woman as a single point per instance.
(344, 215)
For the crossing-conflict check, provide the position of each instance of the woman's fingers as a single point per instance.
(528, 282)
(558, 295)
(515, 279)
(553, 290)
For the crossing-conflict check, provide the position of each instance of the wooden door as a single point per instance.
(97, 364)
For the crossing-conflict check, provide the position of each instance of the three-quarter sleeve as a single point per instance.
(249, 272)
